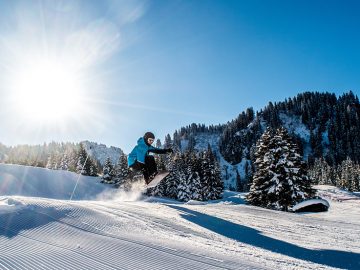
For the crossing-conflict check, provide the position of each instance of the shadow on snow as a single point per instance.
(247, 235)
(11, 224)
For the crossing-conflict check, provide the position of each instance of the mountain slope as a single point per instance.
(323, 126)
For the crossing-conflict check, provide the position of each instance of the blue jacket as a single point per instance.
(141, 150)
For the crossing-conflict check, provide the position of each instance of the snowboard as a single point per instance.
(157, 179)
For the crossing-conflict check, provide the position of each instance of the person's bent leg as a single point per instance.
(151, 167)
(137, 167)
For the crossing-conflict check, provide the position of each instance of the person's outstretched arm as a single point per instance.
(160, 151)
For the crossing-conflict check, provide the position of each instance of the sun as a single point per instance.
(46, 90)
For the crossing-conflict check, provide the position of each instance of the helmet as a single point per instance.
(149, 135)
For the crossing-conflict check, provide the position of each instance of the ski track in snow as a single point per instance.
(62, 235)
(136, 232)
(55, 234)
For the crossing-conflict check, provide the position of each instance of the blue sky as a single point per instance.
(160, 65)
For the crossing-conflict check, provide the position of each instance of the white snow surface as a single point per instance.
(8, 205)
(310, 202)
(41, 182)
(132, 231)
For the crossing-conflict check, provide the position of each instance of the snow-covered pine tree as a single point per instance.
(73, 159)
(263, 160)
(159, 190)
(216, 186)
(50, 162)
(194, 167)
(184, 193)
(356, 179)
(168, 142)
(94, 169)
(320, 173)
(90, 167)
(172, 181)
(158, 143)
(337, 173)
(205, 176)
(280, 180)
(82, 155)
(248, 176)
(296, 171)
(64, 163)
(239, 183)
(180, 173)
(122, 172)
(282, 191)
(53, 161)
(347, 174)
(212, 186)
(191, 143)
(108, 172)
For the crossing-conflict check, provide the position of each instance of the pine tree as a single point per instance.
(216, 185)
(82, 157)
(50, 163)
(171, 182)
(212, 186)
(108, 172)
(183, 188)
(94, 170)
(296, 171)
(356, 179)
(239, 183)
(122, 172)
(280, 180)
(263, 160)
(191, 143)
(64, 163)
(321, 172)
(194, 167)
(347, 174)
(205, 176)
(179, 173)
(90, 167)
(248, 176)
(72, 154)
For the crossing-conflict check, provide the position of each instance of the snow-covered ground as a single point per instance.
(130, 231)
(40, 182)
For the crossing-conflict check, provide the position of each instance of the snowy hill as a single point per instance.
(137, 232)
(40, 182)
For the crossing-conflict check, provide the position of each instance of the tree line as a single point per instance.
(55, 156)
(345, 175)
(193, 176)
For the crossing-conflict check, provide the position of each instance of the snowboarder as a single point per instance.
(140, 160)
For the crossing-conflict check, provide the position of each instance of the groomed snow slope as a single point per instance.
(154, 233)
(40, 182)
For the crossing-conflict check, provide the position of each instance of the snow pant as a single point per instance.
(149, 169)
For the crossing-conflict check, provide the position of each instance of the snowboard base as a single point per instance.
(157, 179)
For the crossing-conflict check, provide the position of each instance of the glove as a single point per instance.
(169, 150)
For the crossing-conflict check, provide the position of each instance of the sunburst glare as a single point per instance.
(46, 90)
(52, 73)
